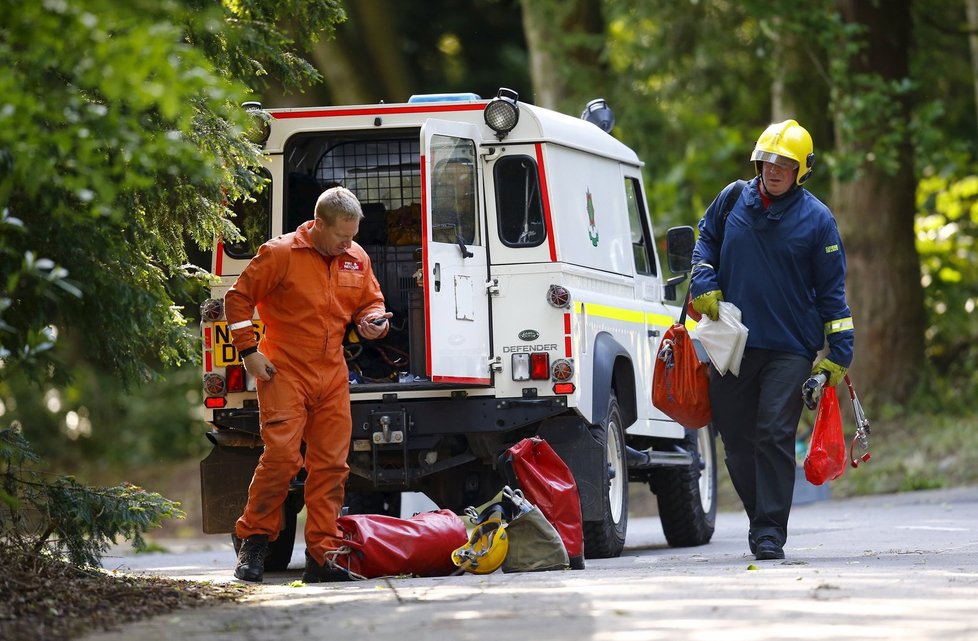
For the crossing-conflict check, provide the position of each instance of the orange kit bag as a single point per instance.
(680, 381)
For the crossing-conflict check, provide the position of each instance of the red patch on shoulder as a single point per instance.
(351, 266)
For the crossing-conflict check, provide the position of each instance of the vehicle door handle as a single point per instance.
(436, 273)
(653, 333)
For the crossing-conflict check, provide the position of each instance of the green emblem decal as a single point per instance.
(592, 230)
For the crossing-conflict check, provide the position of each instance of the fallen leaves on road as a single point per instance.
(49, 599)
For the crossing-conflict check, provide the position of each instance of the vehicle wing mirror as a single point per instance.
(679, 249)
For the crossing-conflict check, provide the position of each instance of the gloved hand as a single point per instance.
(708, 304)
(835, 372)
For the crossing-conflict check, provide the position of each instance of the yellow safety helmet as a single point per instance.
(487, 547)
(789, 140)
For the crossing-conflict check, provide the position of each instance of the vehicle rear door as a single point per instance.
(454, 254)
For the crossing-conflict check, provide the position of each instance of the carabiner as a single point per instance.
(862, 428)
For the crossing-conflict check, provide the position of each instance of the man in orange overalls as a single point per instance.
(307, 286)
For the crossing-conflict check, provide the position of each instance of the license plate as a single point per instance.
(223, 350)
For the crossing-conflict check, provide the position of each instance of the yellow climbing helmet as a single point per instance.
(487, 547)
(789, 140)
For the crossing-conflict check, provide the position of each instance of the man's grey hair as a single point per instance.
(338, 203)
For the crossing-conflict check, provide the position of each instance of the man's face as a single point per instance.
(779, 177)
(335, 239)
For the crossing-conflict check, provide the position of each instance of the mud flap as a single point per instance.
(572, 441)
(224, 479)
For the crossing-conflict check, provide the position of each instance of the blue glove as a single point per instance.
(834, 372)
(708, 304)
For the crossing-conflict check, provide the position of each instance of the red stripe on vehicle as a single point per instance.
(219, 258)
(567, 347)
(208, 365)
(425, 278)
(567, 322)
(376, 111)
(545, 193)
(207, 338)
(460, 380)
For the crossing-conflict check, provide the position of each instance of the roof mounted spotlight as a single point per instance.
(502, 113)
(259, 135)
(597, 112)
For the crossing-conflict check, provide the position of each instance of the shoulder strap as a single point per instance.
(733, 193)
(729, 201)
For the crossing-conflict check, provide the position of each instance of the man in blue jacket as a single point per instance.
(776, 255)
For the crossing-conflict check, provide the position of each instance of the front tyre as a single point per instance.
(606, 538)
(687, 496)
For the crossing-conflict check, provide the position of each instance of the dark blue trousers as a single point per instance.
(756, 415)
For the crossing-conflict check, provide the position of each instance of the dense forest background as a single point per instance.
(121, 135)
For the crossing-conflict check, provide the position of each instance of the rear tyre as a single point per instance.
(687, 496)
(280, 550)
(606, 538)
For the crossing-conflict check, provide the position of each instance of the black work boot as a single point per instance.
(768, 550)
(251, 558)
(325, 573)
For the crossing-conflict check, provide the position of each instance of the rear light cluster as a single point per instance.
(232, 381)
(212, 310)
(537, 367)
(531, 367)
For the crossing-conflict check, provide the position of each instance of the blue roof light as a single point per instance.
(443, 97)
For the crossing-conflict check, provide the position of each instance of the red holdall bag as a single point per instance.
(377, 545)
(548, 483)
(680, 380)
(826, 458)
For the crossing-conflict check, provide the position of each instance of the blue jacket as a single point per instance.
(784, 267)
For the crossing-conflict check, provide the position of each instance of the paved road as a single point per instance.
(890, 567)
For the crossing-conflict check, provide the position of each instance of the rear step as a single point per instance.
(644, 459)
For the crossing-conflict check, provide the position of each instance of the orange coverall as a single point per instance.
(306, 301)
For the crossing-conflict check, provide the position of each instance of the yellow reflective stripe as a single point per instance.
(840, 325)
(622, 314)
(615, 313)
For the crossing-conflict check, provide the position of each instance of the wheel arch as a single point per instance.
(612, 368)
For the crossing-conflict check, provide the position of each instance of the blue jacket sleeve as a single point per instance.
(829, 265)
(706, 253)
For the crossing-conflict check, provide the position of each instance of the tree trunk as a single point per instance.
(971, 7)
(565, 42)
(875, 211)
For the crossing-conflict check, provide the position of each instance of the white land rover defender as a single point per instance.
(514, 247)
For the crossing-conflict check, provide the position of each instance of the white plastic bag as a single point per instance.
(724, 339)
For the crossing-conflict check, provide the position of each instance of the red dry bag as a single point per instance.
(378, 545)
(826, 459)
(548, 483)
(680, 381)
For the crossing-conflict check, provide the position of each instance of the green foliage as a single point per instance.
(687, 97)
(913, 451)
(122, 136)
(947, 242)
(55, 515)
(89, 422)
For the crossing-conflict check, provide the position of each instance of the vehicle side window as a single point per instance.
(519, 206)
(641, 234)
(253, 218)
(453, 191)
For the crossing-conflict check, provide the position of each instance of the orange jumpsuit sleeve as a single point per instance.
(372, 299)
(262, 275)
